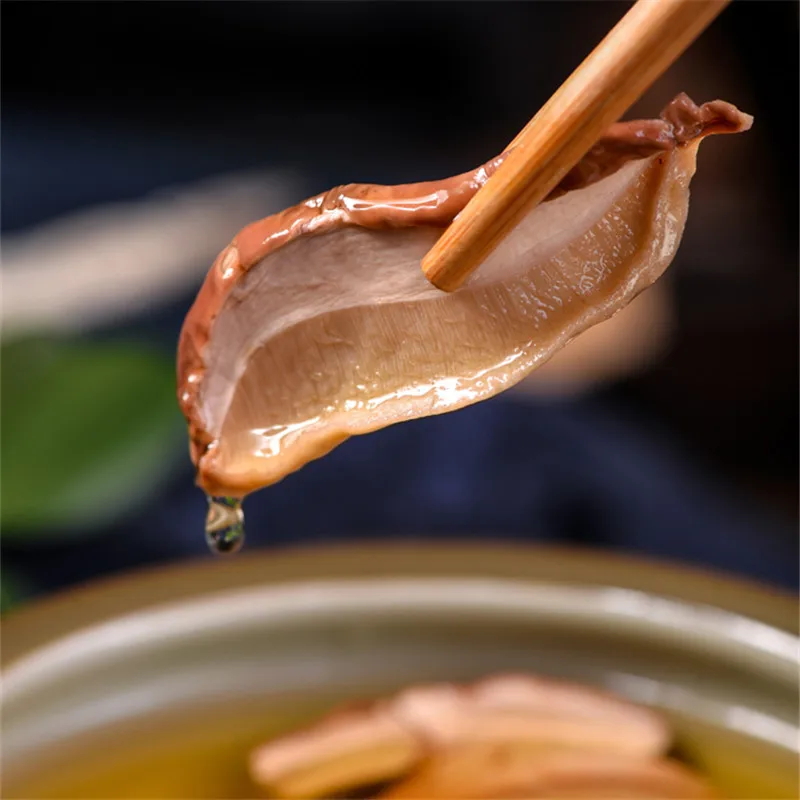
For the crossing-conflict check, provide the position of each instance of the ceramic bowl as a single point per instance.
(156, 684)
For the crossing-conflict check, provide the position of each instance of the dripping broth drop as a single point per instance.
(225, 525)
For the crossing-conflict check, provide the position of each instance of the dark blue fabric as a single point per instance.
(572, 472)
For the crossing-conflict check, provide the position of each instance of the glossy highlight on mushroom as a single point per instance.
(317, 324)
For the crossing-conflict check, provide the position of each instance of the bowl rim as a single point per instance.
(43, 621)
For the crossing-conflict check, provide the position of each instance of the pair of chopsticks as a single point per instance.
(642, 46)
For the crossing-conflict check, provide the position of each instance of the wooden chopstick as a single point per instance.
(645, 42)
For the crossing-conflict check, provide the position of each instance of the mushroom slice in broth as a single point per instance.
(317, 323)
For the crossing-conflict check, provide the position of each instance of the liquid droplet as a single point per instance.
(225, 525)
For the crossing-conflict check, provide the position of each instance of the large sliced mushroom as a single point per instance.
(317, 324)
(384, 740)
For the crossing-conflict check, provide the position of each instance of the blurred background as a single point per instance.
(137, 138)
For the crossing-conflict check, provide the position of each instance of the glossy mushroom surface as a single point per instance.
(317, 324)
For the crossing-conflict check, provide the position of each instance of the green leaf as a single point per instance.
(11, 591)
(89, 430)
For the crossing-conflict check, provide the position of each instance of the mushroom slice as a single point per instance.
(317, 324)
(481, 772)
(383, 740)
(530, 711)
(343, 752)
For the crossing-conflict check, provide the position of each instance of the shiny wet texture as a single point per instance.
(383, 359)
(335, 332)
(224, 525)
